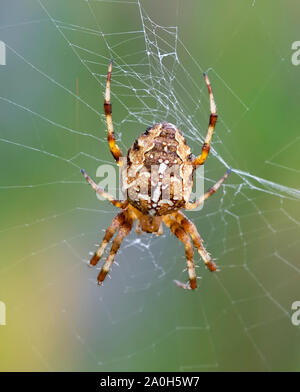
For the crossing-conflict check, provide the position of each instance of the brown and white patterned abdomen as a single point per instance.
(158, 177)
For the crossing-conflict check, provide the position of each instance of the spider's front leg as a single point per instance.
(191, 229)
(189, 251)
(122, 233)
(115, 224)
(123, 221)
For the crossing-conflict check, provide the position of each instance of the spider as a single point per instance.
(161, 147)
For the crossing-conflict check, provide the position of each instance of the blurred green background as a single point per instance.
(52, 124)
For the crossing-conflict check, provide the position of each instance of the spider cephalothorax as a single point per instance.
(157, 179)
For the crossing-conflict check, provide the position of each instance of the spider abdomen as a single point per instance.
(158, 177)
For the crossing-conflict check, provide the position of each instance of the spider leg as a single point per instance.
(211, 191)
(160, 230)
(189, 251)
(138, 228)
(124, 230)
(115, 224)
(101, 192)
(114, 149)
(190, 228)
(200, 159)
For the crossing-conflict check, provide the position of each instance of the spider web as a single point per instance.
(53, 124)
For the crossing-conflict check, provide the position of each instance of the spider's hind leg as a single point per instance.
(114, 149)
(210, 192)
(101, 192)
(199, 160)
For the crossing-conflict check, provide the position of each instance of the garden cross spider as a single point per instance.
(160, 147)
